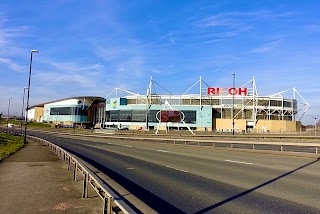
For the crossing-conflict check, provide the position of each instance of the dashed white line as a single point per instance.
(162, 151)
(109, 143)
(181, 170)
(238, 162)
(128, 146)
(130, 168)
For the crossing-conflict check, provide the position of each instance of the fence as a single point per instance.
(112, 203)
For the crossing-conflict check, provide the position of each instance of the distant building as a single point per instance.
(68, 111)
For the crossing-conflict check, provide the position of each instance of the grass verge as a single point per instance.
(9, 144)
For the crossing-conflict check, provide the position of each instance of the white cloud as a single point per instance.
(313, 27)
(64, 80)
(74, 66)
(265, 47)
(12, 65)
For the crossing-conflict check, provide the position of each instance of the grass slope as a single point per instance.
(9, 144)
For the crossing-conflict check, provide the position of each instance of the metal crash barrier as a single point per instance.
(112, 203)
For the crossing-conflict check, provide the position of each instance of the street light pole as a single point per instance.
(315, 126)
(24, 91)
(8, 114)
(234, 82)
(26, 121)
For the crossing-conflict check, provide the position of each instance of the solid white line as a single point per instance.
(128, 146)
(162, 151)
(181, 170)
(238, 162)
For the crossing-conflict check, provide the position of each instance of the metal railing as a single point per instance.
(225, 142)
(251, 145)
(112, 203)
(301, 147)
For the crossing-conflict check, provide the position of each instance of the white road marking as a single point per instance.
(128, 146)
(181, 170)
(109, 143)
(130, 168)
(238, 162)
(162, 151)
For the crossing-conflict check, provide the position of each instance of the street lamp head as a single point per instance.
(34, 51)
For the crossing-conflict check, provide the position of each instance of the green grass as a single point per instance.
(30, 124)
(9, 144)
(38, 125)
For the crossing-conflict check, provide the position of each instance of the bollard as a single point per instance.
(69, 163)
(107, 205)
(75, 171)
(85, 186)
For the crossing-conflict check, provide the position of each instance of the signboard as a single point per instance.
(114, 104)
(228, 91)
(170, 116)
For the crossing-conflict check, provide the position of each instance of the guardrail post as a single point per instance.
(75, 171)
(317, 151)
(69, 163)
(281, 148)
(213, 145)
(231, 145)
(85, 186)
(253, 146)
(107, 209)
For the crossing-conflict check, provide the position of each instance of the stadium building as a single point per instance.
(240, 109)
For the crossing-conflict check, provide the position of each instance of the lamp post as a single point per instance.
(315, 126)
(24, 91)
(234, 82)
(26, 121)
(8, 114)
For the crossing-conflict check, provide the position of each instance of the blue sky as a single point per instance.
(90, 47)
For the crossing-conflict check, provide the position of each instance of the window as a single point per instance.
(287, 104)
(125, 116)
(138, 116)
(276, 103)
(190, 116)
(114, 116)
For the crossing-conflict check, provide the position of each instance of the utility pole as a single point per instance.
(315, 126)
(234, 82)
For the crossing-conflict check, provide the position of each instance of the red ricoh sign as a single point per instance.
(228, 91)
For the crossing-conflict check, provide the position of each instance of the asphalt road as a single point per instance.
(180, 179)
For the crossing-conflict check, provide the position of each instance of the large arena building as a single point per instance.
(238, 109)
(234, 109)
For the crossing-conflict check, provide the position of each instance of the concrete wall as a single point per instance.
(38, 115)
(31, 114)
(225, 125)
(262, 126)
(277, 126)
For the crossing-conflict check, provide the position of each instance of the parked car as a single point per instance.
(10, 125)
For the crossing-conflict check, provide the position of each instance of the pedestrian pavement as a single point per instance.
(34, 180)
